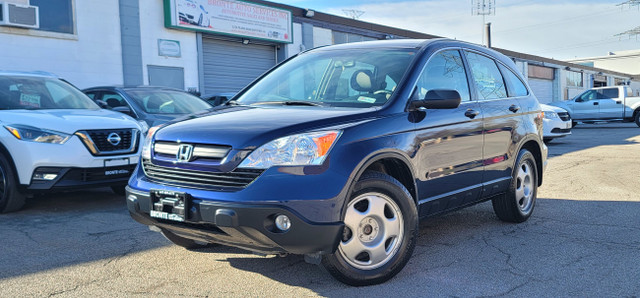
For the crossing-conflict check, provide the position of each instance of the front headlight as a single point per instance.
(296, 150)
(551, 115)
(146, 147)
(34, 134)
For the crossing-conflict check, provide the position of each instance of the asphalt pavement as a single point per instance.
(582, 240)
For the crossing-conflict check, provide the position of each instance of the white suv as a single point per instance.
(52, 136)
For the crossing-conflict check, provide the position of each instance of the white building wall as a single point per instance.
(151, 29)
(322, 37)
(92, 57)
(296, 46)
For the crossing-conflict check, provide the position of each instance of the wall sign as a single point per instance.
(230, 17)
(169, 48)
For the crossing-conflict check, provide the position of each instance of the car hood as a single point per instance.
(559, 104)
(247, 127)
(549, 108)
(68, 120)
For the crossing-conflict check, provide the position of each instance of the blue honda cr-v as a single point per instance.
(337, 153)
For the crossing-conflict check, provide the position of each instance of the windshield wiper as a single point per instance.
(289, 103)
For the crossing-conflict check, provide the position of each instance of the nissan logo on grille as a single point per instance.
(114, 139)
(185, 151)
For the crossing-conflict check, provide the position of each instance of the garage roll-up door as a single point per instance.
(229, 66)
(542, 89)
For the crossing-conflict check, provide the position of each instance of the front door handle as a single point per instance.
(619, 101)
(514, 108)
(595, 103)
(471, 113)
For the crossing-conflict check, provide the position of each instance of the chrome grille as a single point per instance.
(97, 141)
(564, 116)
(170, 149)
(238, 178)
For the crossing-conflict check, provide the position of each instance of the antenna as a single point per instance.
(635, 31)
(484, 8)
(630, 3)
(354, 14)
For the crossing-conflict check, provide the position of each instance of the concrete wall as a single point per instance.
(89, 58)
(151, 29)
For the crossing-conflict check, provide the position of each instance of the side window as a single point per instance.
(589, 95)
(515, 87)
(487, 77)
(113, 99)
(92, 95)
(444, 71)
(609, 93)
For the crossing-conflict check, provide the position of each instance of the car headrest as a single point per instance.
(362, 80)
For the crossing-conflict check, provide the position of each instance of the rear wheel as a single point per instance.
(118, 189)
(517, 204)
(381, 227)
(10, 197)
(184, 242)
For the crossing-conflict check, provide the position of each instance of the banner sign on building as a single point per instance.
(230, 17)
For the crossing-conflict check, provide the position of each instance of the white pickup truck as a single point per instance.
(604, 103)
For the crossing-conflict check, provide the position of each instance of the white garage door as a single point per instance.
(230, 65)
(542, 89)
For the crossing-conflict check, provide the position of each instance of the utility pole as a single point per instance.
(354, 14)
(635, 31)
(483, 8)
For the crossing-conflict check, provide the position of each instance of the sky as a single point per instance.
(562, 29)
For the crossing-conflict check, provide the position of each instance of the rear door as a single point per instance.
(449, 141)
(502, 119)
(610, 102)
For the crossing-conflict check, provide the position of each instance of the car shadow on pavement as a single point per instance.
(66, 228)
(471, 253)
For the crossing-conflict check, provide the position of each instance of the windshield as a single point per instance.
(37, 93)
(167, 101)
(359, 78)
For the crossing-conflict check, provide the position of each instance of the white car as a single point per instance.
(193, 13)
(52, 136)
(556, 122)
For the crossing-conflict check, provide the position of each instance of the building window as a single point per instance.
(342, 37)
(55, 15)
(619, 81)
(574, 79)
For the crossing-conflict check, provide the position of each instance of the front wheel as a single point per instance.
(381, 227)
(10, 197)
(637, 118)
(517, 204)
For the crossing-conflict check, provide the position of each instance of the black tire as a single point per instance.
(394, 200)
(10, 197)
(637, 118)
(184, 242)
(518, 203)
(118, 189)
(574, 124)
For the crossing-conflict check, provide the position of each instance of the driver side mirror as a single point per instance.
(579, 99)
(102, 104)
(124, 110)
(438, 99)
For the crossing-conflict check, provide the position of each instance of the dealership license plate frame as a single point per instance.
(174, 200)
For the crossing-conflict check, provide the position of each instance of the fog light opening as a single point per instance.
(283, 223)
(45, 176)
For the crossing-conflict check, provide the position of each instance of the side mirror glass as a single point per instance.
(579, 99)
(438, 99)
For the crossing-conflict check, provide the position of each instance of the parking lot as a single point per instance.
(582, 240)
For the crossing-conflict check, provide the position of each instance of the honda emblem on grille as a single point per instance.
(185, 151)
(114, 139)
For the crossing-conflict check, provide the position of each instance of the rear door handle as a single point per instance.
(595, 103)
(514, 108)
(471, 113)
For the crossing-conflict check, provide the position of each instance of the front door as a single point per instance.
(586, 106)
(449, 141)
